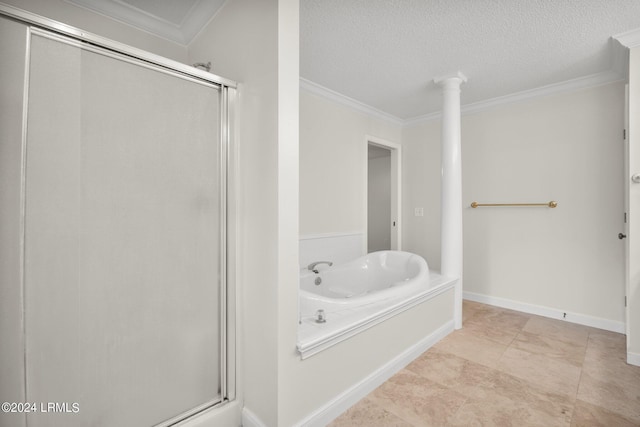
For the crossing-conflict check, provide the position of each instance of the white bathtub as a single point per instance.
(373, 277)
(340, 300)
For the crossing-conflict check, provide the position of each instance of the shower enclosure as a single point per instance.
(114, 232)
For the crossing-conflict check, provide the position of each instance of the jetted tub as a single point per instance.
(342, 300)
(372, 277)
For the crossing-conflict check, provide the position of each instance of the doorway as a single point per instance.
(383, 185)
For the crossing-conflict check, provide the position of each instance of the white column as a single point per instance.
(451, 207)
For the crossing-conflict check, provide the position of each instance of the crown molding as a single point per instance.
(618, 71)
(198, 18)
(572, 85)
(615, 74)
(182, 33)
(132, 16)
(630, 39)
(619, 58)
(332, 95)
(437, 115)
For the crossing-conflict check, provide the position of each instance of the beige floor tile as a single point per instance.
(550, 347)
(367, 414)
(608, 364)
(607, 380)
(502, 317)
(606, 345)
(450, 371)
(468, 309)
(587, 415)
(506, 368)
(509, 401)
(500, 326)
(466, 344)
(418, 400)
(616, 391)
(556, 376)
(471, 309)
(558, 329)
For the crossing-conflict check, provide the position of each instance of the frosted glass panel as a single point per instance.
(122, 258)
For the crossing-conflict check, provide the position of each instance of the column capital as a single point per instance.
(456, 77)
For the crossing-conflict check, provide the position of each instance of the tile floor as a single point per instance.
(506, 368)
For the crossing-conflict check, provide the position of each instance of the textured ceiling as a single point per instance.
(385, 53)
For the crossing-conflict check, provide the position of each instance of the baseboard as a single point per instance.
(330, 411)
(225, 414)
(581, 319)
(633, 359)
(249, 419)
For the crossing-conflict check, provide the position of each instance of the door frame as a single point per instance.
(396, 190)
(631, 246)
(627, 184)
(627, 51)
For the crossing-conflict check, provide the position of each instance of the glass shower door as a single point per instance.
(124, 230)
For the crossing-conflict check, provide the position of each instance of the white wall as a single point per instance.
(379, 203)
(242, 40)
(84, 19)
(566, 148)
(256, 43)
(421, 174)
(333, 155)
(288, 208)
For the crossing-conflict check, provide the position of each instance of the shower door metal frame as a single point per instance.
(46, 27)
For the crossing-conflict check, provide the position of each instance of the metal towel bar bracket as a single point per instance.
(551, 204)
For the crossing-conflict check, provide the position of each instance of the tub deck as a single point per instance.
(345, 318)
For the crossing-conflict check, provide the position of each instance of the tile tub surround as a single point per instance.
(513, 369)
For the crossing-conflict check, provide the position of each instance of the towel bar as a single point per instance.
(551, 204)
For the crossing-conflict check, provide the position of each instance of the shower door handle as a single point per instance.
(622, 236)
